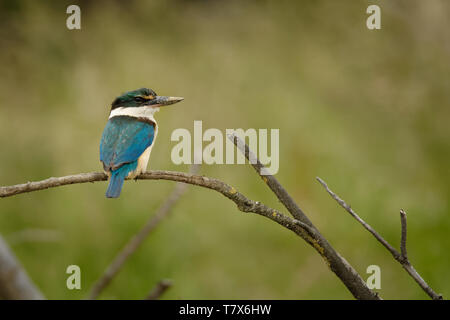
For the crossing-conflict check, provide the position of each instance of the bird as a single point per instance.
(129, 136)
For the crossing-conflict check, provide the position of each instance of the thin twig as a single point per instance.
(344, 205)
(159, 289)
(348, 275)
(402, 257)
(14, 281)
(403, 239)
(134, 243)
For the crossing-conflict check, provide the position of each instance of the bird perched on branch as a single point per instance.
(129, 136)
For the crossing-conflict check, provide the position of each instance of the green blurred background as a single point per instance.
(367, 111)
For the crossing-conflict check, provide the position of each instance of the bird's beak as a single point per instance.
(165, 101)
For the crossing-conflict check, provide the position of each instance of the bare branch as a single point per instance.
(344, 205)
(403, 239)
(348, 275)
(134, 243)
(160, 288)
(14, 282)
(402, 257)
(52, 183)
(300, 225)
(243, 203)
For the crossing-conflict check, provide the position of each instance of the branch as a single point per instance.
(403, 251)
(14, 282)
(134, 243)
(402, 257)
(342, 203)
(160, 288)
(52, 183)
(243, 203)
(346, 273)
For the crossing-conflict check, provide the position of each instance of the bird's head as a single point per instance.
(143, 98)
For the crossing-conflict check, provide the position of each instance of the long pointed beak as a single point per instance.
(165, 101)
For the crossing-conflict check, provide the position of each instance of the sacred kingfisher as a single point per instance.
(129, 136)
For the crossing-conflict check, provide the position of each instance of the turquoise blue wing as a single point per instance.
(124, 140)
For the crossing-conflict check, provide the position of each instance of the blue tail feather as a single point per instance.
(117, 178)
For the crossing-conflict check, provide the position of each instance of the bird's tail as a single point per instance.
(117, 178)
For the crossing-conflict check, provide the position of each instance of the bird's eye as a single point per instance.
(139, 99)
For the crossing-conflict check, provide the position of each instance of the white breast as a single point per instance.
(137, 112)
(143, 159)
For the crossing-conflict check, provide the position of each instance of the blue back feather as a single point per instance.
(123, 141)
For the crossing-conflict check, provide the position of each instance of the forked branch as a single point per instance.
(401, 256)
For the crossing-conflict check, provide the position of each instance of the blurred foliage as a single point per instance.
(368, 111)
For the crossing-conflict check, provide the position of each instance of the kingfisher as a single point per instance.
(129, 136)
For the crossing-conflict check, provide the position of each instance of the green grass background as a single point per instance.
(368, 111)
